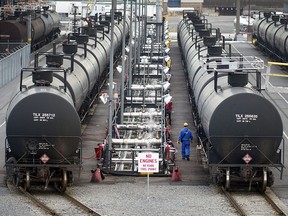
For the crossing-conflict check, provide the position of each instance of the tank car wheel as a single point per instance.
(62, 184)
(17, 179)
(227, 179)
(27, 181)
(263, 183)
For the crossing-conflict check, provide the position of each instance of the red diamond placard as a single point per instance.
(44, 158)
(247, 158)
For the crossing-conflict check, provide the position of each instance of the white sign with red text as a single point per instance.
(148, 162)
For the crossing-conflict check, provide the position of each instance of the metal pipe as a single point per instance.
(142, 26)
(158, 12)
(111, 84)
(142, 121)
(137, 149)
(237, 17)
(140, 99)
(151, 66)
(145, 22)
(153, 57)
(139, 33)
(146, 87)
(130, 45)
(123, 66)
(154, 45)
(162, 114)
(142, 114)
(138, 127)
(135, 39)
(136, 141)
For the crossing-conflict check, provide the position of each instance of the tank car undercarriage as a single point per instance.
(24, 175)
(255, 177)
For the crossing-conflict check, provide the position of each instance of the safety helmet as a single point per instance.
(185, 124)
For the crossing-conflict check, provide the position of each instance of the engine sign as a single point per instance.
(247, 158)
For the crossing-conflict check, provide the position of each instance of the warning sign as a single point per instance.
(44, 158)
(247, 158)
(148, 162)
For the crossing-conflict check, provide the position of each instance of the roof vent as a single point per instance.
(54, 60)
(238, 80)
(69, 47)
(42, 77)
(209, 40)
(204, 32)
(215, 50)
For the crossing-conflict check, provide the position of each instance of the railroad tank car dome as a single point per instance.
(31, 113)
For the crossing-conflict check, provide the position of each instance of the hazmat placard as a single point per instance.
(148, 162)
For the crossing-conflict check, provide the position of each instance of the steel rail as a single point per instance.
(273, 204)
(80, 205)
(233, 202)
(77, 203)
(38, 202)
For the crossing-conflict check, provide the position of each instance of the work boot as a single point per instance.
(188, 158)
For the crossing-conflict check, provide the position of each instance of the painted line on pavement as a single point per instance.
(3, 123)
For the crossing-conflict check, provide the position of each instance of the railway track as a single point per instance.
(59, 204)
(253, 203)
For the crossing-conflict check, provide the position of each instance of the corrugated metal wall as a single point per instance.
(11, 65)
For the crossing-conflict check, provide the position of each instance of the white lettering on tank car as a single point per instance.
(43, 117)
(245, 147)
(245, 118)
(44, 146)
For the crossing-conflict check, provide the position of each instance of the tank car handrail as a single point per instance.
(203, 147)
(32, 70)
(100, 27)
(249, 63)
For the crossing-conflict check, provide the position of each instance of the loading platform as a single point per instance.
(193, 172)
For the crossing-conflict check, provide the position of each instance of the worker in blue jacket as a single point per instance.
(185, 136)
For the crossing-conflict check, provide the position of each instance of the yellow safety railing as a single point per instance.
(268, 86)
